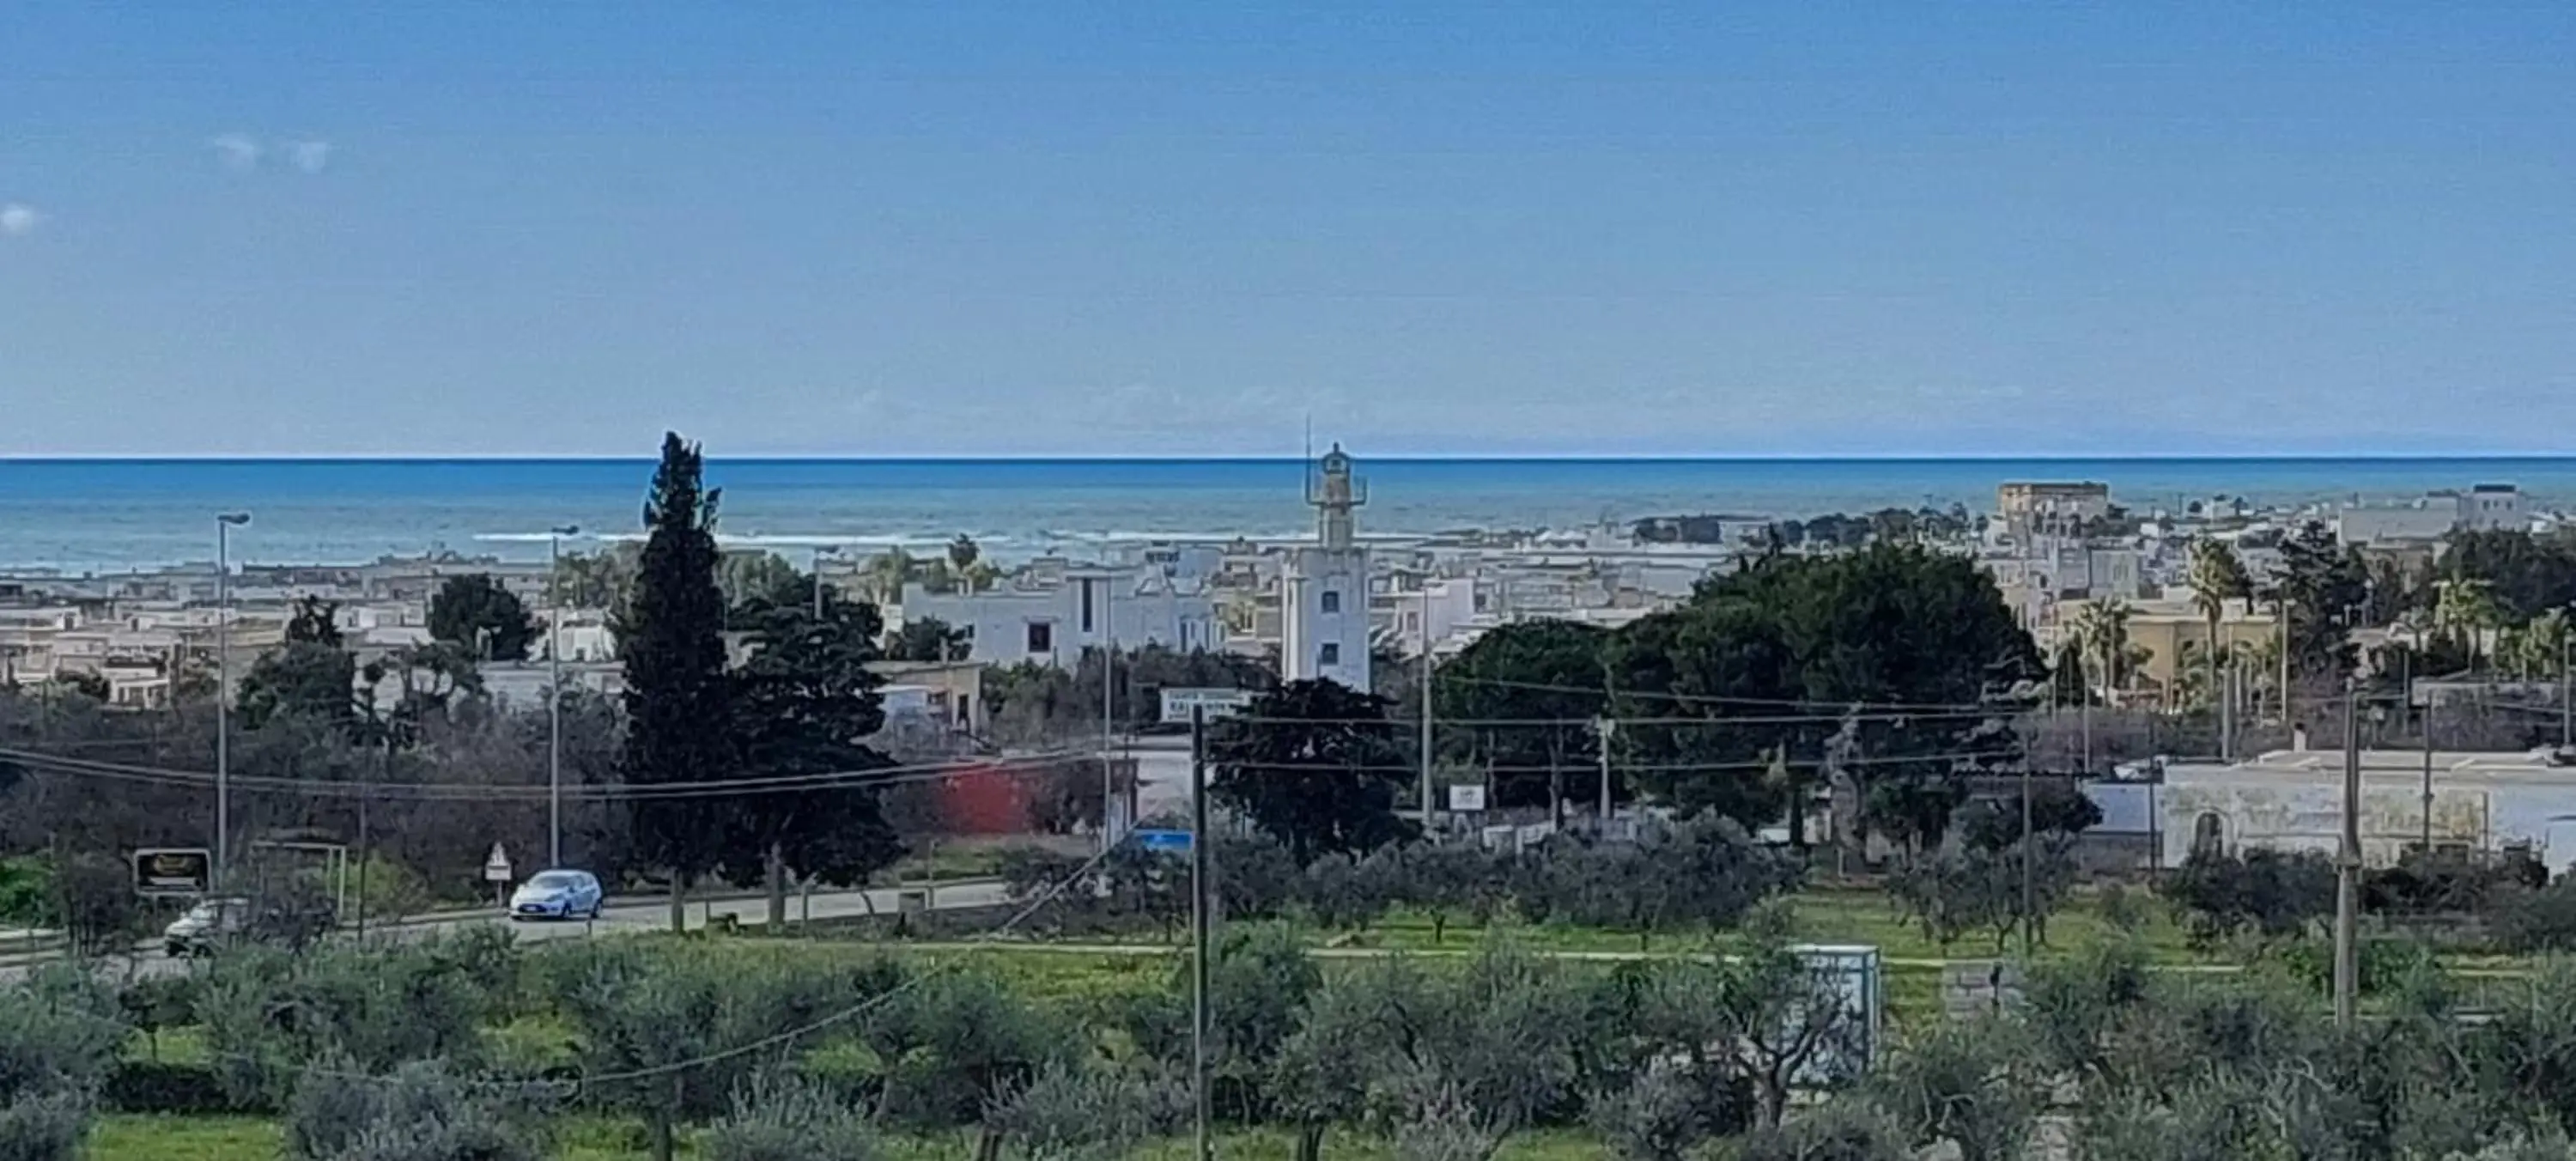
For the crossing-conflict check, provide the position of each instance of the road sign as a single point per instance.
(173, 871)
(1169, 841)
(1467, 798)
(496, 866)
(1219, 703)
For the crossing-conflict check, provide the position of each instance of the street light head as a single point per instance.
(235, 519)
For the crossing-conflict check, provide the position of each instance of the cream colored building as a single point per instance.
(2162, 625)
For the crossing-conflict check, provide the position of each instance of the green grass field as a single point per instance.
(1076, 975)
(135, 1138)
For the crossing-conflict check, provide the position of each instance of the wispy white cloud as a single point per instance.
(18, 219)
(240, 151)
(309, 156)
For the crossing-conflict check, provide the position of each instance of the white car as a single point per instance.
(207, 925)
(558, 894)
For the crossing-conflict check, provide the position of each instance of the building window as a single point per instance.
(1330, 654)
(1086, 605)
(1332, 600)
(1041, 636)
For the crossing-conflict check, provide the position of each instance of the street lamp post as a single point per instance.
(820, 554)
(554, 691)
(225, 522)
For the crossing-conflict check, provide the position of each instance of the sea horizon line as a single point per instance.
(1420, 458)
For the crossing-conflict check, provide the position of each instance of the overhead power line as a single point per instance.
(1820, 705)
(597, 791)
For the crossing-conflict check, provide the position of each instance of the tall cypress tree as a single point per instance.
(671, 639)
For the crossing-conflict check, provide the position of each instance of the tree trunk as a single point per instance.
(777, 888)
(1310, 1142)
(988, 1146)
(1770, 1100)
(661, 1121)
(679, 902)
(2214, 694)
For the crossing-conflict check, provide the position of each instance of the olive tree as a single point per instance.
(418, 1112)
(1074, 1111)
(59, 1033)
(774, 1119)
(1967, 1083)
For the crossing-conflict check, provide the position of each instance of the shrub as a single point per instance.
(418, 1113)
(1071, 1112)
(159, 1002)
(96, 903)
(44, 1126)
(2270, 893)
(774, 1119)
(2207, 1122)
(1443, 1126)
(59, 1031)
(1656, 1117)
(266, 1012)
(2537, 920)
(162, 1088)
(1963, 1082)
(1838, 1130)
(956, 1042)
(26, 892)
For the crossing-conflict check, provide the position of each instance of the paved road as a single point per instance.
(641, 916)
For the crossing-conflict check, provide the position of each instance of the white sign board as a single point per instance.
(496, 866)
(1852, 975)
(1219, 703)
(1467, 798)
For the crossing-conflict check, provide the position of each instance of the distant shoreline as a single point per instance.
(1106, 459)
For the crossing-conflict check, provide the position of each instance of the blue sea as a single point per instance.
(116, 515)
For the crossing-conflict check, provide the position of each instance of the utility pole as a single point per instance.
(2428, 783)
(2084, 712)
(1201, 919)
(1609, 728)
(367, 794)
(2029, 891)
(1108, 736)
(2347, 945)
(224, 524)
(2226, 694)
(2284, 610)
(554, 688)
(2566, 699)
(1426, 710)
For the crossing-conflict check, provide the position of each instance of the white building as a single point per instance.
(1433, 613)
(1050, 615)
(2293, 800)
(1324, 590)
(2484, 507)
(2489, 507)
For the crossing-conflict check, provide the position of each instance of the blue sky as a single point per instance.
(1513, 228)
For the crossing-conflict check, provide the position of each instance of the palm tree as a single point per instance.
(963, 552)
(2466, 610)
(2103, 628)
(885, 574)
(2535, 648)
(2217, 577)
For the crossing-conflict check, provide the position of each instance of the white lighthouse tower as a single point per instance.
(1324, 615)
